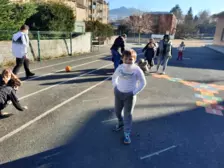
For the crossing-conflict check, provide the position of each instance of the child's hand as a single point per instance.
(25, 107)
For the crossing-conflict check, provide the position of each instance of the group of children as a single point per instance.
(9, 84)
(129, 79)
(153, 49)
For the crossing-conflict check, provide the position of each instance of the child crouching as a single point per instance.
(9, 85)
(128, 80)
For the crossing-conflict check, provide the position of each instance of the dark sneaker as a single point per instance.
(118, 127)
(30, 75)
(5, 115)
(127, 138)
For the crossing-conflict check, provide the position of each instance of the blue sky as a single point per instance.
(214, 6)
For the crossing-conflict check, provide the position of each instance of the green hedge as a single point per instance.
(13, 16)
(52, 17)
(99, 29)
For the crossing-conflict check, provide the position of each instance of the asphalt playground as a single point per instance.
(178, 119)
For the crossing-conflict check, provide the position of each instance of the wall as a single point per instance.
(49, 48)
(218, 32)
(81, 14)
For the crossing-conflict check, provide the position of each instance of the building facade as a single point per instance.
(219, 33)
(84, 10)
(163, 22)
(98, 10)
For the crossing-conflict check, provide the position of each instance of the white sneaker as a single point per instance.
(164, 73)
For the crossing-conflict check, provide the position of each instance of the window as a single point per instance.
(222, 37)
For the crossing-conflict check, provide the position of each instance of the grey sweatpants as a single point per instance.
(126, 102)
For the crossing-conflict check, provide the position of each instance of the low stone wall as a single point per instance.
(217, 48)
(49, 48)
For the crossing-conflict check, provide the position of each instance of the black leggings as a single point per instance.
(19, 62)
(150, 61)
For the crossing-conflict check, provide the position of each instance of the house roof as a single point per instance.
(221, 14)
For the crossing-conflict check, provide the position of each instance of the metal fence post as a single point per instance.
(38, 44)
(70, 43)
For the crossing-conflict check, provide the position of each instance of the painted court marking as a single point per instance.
(110, 120)
(58, 71)
(52, 86)
(64, 62)
(49, 111)
(158, 152)
(207, 91)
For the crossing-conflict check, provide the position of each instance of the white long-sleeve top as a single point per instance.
(20, 44)
(129, 78)
(181, 48)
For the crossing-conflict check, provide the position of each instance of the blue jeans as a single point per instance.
(165, 61)
(116, 58)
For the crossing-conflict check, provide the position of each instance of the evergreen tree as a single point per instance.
(189, 17)
(176, 10)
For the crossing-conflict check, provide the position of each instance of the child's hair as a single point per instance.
(5, 77)
(124, 35)
(129, 53)
(15, 83)
(24, 27)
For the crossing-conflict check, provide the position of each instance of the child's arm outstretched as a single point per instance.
(142, 81)
(15, 101)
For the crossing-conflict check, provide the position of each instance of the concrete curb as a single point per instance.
(214, 49)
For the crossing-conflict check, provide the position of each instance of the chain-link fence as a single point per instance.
(133, 37)
(46, 44)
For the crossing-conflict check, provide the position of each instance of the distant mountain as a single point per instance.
(123, 12)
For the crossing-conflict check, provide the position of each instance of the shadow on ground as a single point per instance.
(91, 77)
(196, 57)
(198, 138)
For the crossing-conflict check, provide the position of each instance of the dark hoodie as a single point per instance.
(7, 93)
(149, 52)
(118, 43)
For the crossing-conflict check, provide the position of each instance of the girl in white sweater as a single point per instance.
(128, 80)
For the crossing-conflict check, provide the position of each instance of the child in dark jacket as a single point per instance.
(150, 52)
(9, 85)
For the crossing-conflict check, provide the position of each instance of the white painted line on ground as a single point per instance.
(50, 156)
(49, 111)
(77, 77)
(58, 71)
(89, 100)
(65, 62)
(110, 120)
(158, 152)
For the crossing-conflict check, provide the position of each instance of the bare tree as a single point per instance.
(140, 23)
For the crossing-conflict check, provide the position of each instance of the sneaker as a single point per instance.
(30, 75)
(127, 138)
(9, 102)
(118, 127)
(5, 115)
(163, 73)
